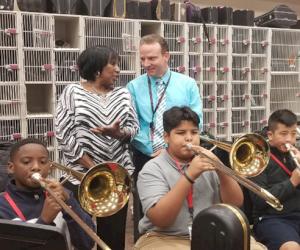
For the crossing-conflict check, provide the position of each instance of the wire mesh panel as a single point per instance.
(125, 78)
(259, 68)
(222, 124)
(42, 129)
(240, 122)
(260, 41)
(222, 68)
(176, 63)
(9, 66)
(66, 70)
(209, 121)
(240, 68)
(240, 94)
(285, 93)
(209, 97)
(222, 95)
(195, 66)
(209, 68)
(38, 66)
(195, 38)
(10, 129)
(37, 30)
(174, 35)
(10, 101)
(209, 46)
(8, 30)
(58, 90)
(240, 40)
(285, 50)
(259, 95)
(258, 120)
(223, 41)
(116, 34)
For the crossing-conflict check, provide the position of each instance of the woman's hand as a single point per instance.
(113, 131)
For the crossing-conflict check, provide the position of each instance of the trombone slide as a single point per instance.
(267, 196)
(37, 177)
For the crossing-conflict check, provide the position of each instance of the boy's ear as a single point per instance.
(10, 167)
(166, 137)
(270, 135)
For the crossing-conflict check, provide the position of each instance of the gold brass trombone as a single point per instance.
(249, 156)
(103, 191)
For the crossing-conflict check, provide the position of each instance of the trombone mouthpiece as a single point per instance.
(36, 176)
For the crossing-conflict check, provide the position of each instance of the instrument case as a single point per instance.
(6, 4)
(243, 17)
(133, 9)
(145, 10)
(193, 13)
(178, 12)
(35, 5)
(225, 15)
(210, 14)
(116, 8)
(160, 10)
(280, 17)
(220, 226)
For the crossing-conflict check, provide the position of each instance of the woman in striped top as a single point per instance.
(95, 121)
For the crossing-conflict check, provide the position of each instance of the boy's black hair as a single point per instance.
(15, 147)
(174, 116)
(283, 116)
(94, 59)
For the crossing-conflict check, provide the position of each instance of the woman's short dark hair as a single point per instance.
(174, 116)
(94, 59)
(16, 146)
(283, 116)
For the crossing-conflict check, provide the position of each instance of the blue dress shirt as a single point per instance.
(181, 91)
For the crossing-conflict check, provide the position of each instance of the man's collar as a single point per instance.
(165, 77)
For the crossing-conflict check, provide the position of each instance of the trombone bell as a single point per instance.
(249, 155)
(104, 189)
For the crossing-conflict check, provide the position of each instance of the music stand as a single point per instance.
(17, 235)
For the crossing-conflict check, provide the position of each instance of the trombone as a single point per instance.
(249, 156)
(104, 189)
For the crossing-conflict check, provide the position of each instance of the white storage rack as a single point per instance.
(243, 73)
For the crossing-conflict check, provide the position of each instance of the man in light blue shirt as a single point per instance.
(179, 90)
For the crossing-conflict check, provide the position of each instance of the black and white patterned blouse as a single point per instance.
(79, 110)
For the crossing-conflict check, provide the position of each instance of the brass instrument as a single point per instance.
(84, 226)
(104, 189)
(289, 149)
(249, 156)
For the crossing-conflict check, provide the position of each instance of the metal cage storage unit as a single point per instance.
(243, 73)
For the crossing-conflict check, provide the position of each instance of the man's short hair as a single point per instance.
(155, 38)
(174, 116)
(283, 116)
(15, 147)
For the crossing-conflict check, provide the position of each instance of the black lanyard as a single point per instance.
(159, 100)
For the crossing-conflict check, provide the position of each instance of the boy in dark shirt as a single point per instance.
(25, 200)
(279, 229)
